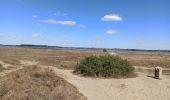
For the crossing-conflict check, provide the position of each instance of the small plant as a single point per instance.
(104, 66)
(104, 50)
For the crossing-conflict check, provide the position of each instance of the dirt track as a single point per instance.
(140, 88)
(9, 68)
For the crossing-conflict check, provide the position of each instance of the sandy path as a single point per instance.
(140, 88)
(9, 68)
(27, 62)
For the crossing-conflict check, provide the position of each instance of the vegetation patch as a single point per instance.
(104, 66)
(36, 83)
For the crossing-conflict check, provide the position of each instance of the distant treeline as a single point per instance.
(31, 45)
(141, 50)
(79, 48)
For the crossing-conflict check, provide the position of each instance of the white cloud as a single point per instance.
(111, 32)
(49, 21)
(53, 21)
(35, 16)
(69, 23)
(112, 17)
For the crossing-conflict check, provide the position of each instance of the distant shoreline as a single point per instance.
(84, 48)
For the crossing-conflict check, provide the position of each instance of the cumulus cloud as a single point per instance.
(111, 32)
(112, 17)
(53, 21)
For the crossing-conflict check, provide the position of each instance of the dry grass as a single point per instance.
(35, 83)
(1, 68)
(57, 58)
(68, 59)
(148, 60)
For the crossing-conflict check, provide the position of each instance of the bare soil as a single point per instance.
(143, 87)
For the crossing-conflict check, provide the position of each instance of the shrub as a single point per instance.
(104, 66)
(104, 50)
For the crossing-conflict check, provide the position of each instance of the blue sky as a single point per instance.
(136, 24)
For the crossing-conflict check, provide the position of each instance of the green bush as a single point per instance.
(104, 50)
(104, 66)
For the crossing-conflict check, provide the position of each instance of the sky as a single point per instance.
(127, 24)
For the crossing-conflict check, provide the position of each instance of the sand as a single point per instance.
(139, 88)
